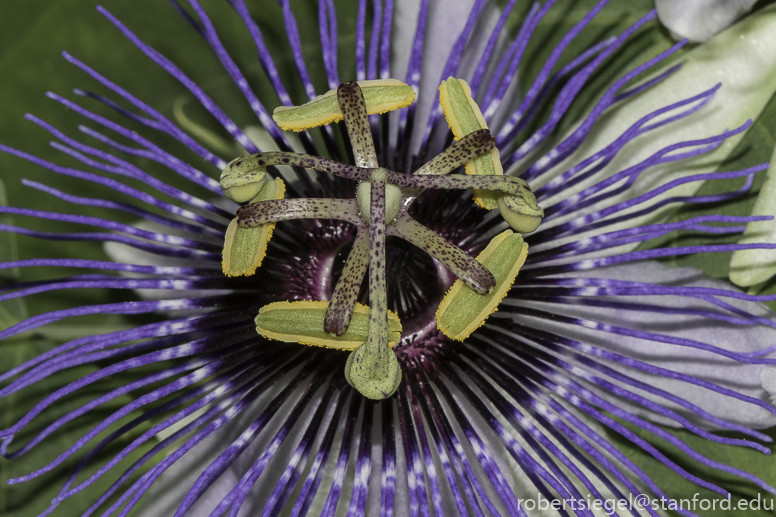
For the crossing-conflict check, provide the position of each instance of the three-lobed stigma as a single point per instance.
(379, 210)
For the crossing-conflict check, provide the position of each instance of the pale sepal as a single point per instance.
(754, 266)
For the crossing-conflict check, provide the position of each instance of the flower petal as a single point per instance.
(752, 267)
(742, 59)
(699, 20)
(678, 321)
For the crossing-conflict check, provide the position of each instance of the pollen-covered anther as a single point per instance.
(462, 311)
(380, 95)
(244, 248)
(302, 322)
(464, 116)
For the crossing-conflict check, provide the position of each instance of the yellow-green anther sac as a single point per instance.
(302, 322)
(243, 178)
(271, 211)
(343, 299)
(380, 96)
(466, 268)
(462, 311)
(373, 368)
(464, 116)
(244, 248)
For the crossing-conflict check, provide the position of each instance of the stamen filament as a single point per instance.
(466, 268)
(256, 214)
(343, 299)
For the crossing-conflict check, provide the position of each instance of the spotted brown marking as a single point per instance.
(353, 107)
(461, 152)
(466, 268)
(256, 214)
(309, 162)
(373, 368)
(381, 96)
(345, 294)
(507, 184)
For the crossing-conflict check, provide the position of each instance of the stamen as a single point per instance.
(463, 115)
(462, 311)
(380, 95)
(303, 322)
(244, 248)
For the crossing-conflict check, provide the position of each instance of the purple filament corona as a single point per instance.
(529, 400)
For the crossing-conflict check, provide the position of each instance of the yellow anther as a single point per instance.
(464, 116)
(302, 322)
(380, 96)
(244, 248)
(462, 310)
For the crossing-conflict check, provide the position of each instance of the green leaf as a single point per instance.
(11, 311)
(33, 497)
